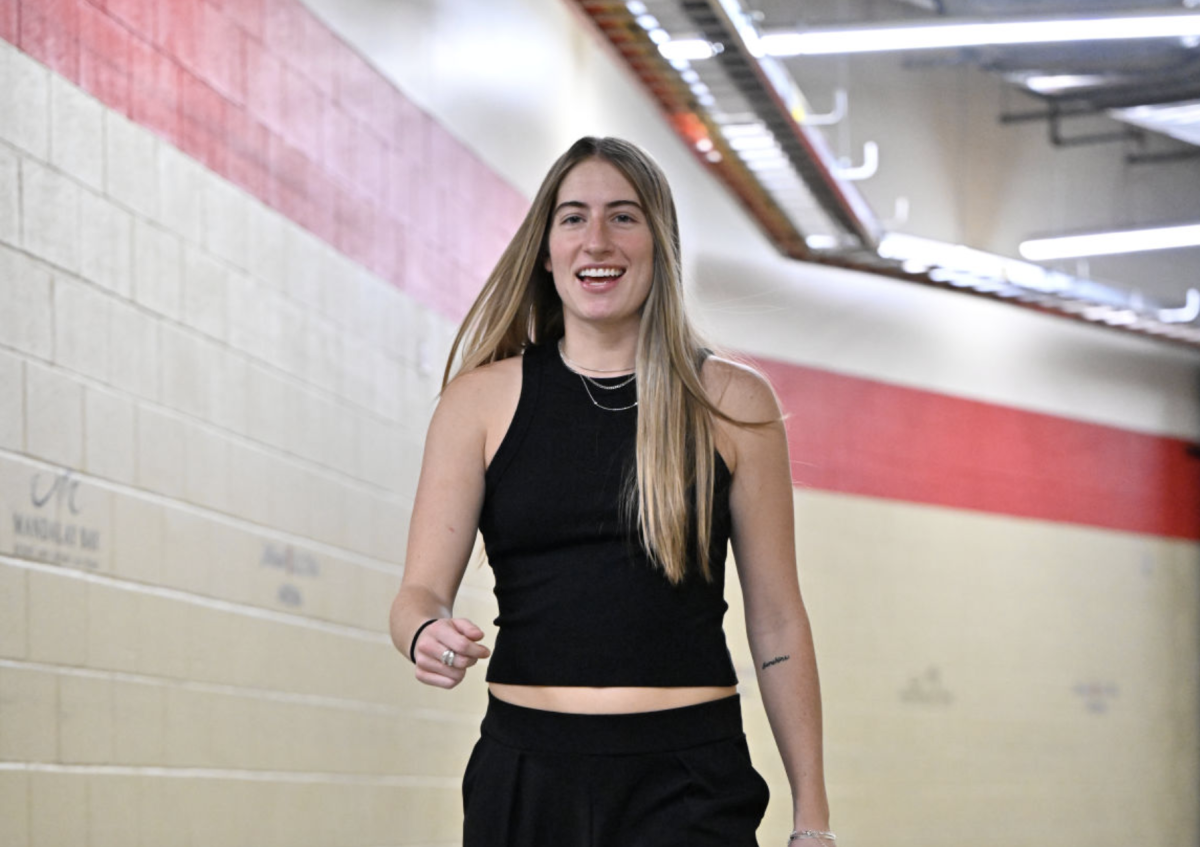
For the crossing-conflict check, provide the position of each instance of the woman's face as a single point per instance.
(601, 249)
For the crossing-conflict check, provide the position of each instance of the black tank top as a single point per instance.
(580, 601)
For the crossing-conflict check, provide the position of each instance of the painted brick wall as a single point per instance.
(224, 306)
(261, 93)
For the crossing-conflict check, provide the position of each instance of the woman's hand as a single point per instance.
(445, 649)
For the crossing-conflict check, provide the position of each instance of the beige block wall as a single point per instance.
(210, 432)
(988, 678)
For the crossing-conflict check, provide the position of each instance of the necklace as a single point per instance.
(588, 382)
(576, 367)
(585, 381)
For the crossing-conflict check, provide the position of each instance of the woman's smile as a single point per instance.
(599, 277)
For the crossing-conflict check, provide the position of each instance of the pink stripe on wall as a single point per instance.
(866, 437)
(262, 93)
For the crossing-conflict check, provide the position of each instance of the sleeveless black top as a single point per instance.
(580, 601)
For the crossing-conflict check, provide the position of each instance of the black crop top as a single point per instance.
(580, 601)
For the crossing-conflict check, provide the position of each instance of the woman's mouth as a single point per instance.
(599, 278)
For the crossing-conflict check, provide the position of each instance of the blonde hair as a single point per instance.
(672, 491)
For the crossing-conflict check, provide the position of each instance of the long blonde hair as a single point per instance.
(675, 461)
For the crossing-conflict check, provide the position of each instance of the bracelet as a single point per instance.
(412, 649)
(811, 833)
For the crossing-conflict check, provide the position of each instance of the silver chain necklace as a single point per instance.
(585, 381)
(589, 381)
(578, 367)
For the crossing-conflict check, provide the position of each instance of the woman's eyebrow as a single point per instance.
(577, 204)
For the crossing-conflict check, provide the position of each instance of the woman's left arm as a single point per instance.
(777, 625)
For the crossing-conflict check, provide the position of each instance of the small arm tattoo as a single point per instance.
(775, 661)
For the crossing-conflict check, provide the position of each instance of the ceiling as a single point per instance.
(1070, 79)
(980, 147)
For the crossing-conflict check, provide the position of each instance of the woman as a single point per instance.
(607, 459)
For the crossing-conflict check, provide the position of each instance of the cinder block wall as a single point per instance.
(224, 307)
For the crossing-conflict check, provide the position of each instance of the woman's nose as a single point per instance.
(596, 240)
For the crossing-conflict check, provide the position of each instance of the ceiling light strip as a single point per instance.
(1111, 243)
(980, 33)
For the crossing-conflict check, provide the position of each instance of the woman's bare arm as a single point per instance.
(471, 416)
(776, 621)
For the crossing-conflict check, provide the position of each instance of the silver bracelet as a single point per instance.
(811, 833)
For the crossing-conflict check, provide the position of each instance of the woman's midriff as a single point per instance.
(606, 701)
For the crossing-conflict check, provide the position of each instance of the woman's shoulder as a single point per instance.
(739, 390)
(481, 402)
(476, 387)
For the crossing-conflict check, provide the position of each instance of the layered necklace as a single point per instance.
(589, 383)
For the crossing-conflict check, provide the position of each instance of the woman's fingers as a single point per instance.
(435, 666)
(446, 649)
(436, 679)
(467, 628)
(463, 639)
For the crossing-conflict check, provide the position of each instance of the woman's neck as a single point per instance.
(597, 353)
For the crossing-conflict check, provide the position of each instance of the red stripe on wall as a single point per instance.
(861, 436)
(262, 93)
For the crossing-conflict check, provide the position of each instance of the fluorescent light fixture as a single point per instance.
(691, 49)
(753, 142)
(733, 118)
(821, 242)
(1179, 120)
(647, 22)
(743, 130)
(636, 7)
(659, 36)
(981, 33)
(780, 182)
(776, 164)
(1109, 243)
(779, 164)
(741, 21)
(1056, 83)
(760, 153)
(947, 262)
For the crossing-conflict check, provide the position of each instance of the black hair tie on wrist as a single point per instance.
(412, 648)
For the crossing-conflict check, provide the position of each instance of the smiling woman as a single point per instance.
(609, 459)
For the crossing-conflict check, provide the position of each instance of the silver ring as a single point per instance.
(448, 658)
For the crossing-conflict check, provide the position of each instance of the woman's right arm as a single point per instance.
(442, 531)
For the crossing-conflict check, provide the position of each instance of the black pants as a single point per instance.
(672, 778)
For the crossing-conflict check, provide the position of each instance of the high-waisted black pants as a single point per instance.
(650, 779)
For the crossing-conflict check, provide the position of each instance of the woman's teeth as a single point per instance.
(599, 274)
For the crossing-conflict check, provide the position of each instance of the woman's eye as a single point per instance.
(572, 219)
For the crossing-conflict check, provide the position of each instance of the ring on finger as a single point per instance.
(448, 657)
